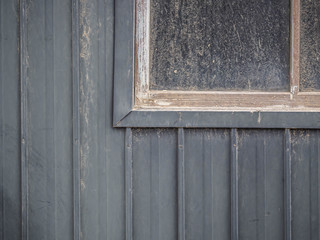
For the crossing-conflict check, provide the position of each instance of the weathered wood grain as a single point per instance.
(263, 101)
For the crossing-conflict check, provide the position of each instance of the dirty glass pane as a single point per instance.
(220, 45)
(310, 45)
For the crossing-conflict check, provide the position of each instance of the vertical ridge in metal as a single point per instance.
(318, 184)
(287, 193)
(314, 188)
(155, 186)
(234, 186)
(23, 108)
(181, 186)
(76, 119)
(128, 179)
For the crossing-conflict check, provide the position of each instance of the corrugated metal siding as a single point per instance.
(182, 180)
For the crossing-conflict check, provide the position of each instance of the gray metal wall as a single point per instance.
(54, 186)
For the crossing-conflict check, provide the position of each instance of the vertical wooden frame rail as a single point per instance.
(295, 47)
(135, 105)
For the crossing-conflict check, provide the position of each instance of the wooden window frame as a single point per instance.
(135, 105)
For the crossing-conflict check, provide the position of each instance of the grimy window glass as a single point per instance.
(220, 45)
(310, 46)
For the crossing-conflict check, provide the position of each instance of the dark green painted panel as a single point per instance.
(220, 45)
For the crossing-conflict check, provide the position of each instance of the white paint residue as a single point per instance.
(143, 34)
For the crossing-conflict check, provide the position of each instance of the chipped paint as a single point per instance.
(142, 44)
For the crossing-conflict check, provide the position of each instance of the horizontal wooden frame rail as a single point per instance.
(135, 105)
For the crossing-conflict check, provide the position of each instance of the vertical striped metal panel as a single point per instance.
(305, 184)
(10, 194)
(154, 184)
(263, 178)
(48, 119)
(207, 184)
(66, 173)
(102, 147)
(261, 185)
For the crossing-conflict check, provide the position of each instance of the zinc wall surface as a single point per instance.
(66, 173)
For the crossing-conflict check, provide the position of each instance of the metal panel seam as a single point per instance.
(287, 193)
(76, 119)
(128, 180)
(23, 112)
(234, 186)
(2, 138)
(181, 185)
